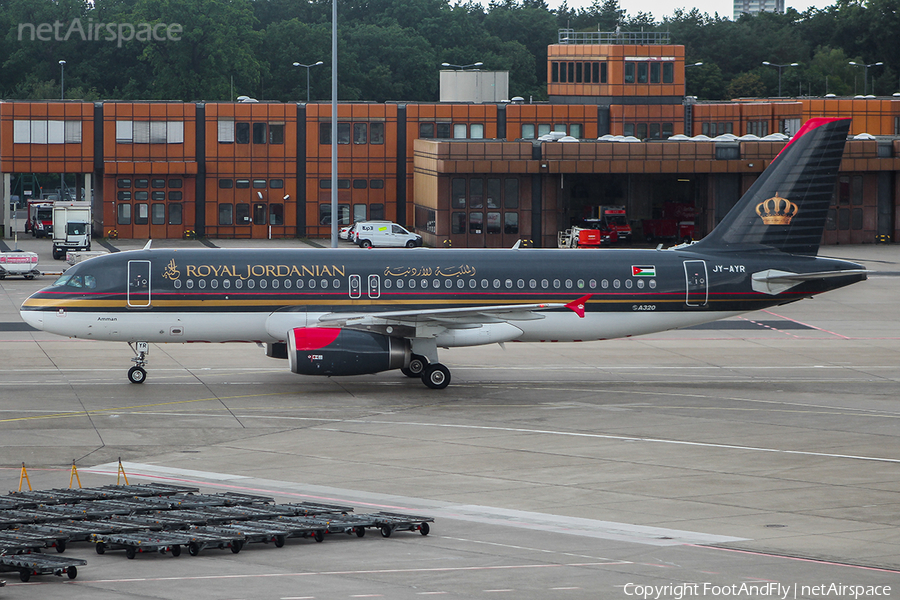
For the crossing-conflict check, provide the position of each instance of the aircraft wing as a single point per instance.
(452, 317)
(774, 281)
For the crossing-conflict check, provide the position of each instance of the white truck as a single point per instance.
(19, 263)
(71, 227)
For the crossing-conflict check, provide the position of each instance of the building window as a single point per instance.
(376, 184)
(242, 184)
(493, 193)
(426, 130)
(158, 195)
(511, 223)
(242, 214)
(458, 193)
(226, 184)
(157, 183)
(376, 133)
(476, 222)
(175, 214)
(575, 130)
(141, 213)
(259, 133)
(476, 131)
(123, 196)
(325, 214)
(668, 70)
(175, 196)
(360, 184)
(276, 214)
(142, 195)
(123, 214)
(443, 130)
(225, 131)
(654, 72)
(359, 212)
(343, 184)
(46, 132)
(554, 72)
(157, 214)
(459, 131)
(276, 133)
(226, 214)
(259, 214)
(175, 183)
(493, 222)
(629, 72)
(458, 222)
(376, 212)
(276, 184)
(242, 133)
(259, 184)
(123, 183)
(543, 129)
(360, 131)
(642, 72)
(528, 131)
(141, 183)
(511, 193)
(476, 193)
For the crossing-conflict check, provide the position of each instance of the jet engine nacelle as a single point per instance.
(335, 351)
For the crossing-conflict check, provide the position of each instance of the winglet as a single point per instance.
(577, 306)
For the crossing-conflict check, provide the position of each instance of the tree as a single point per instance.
(746, 85)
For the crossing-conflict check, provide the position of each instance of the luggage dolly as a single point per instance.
(252, 532)
(141, 542)
(212, 537)
(40, 564)
(391, 522)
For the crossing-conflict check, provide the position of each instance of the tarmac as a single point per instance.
(755, 457)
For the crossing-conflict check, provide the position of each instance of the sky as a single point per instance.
(665, 8)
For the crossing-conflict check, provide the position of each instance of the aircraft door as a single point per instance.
(696, 279)
(138, 284)
(374, 286)
(354, 286)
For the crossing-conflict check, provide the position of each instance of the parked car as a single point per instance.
(385, 234)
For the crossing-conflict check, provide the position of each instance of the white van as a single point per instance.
(383, 234)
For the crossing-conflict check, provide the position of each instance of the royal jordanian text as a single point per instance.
(245, 272)
(677, 591)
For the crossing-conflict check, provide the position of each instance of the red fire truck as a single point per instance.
(40, 218)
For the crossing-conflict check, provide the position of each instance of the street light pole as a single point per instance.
(780, 67)
(307, 67)
(462, 67)
(62, 79)
(866, 75)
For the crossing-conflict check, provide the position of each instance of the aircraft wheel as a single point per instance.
(137, 375)
(436, 376)
(417, 364)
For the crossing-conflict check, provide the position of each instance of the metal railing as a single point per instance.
(570, 36)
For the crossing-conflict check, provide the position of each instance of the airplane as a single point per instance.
(340, 312)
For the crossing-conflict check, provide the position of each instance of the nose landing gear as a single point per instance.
(137, 373)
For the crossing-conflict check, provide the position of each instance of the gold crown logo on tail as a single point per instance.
(776, 210)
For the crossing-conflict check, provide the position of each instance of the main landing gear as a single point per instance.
(137, 373)
(434, 375)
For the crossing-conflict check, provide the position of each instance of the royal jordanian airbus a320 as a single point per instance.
(351, 312)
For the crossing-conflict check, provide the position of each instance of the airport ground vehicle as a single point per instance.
(71, 227)
(615, 220)
(675, 224)
(590, 233)
(19, 263)
(384, 234)
(40, 218)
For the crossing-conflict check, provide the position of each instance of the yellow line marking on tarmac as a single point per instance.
(65, 415)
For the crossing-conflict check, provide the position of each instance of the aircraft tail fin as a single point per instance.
(787, 206)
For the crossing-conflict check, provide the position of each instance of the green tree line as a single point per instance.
(391, 50)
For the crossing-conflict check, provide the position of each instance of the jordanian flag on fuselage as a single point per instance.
(643, 271)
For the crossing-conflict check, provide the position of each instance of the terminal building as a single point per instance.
(476, 171)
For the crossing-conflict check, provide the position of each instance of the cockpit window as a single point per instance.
(76, 281)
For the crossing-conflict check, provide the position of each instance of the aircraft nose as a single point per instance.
(35, 318)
